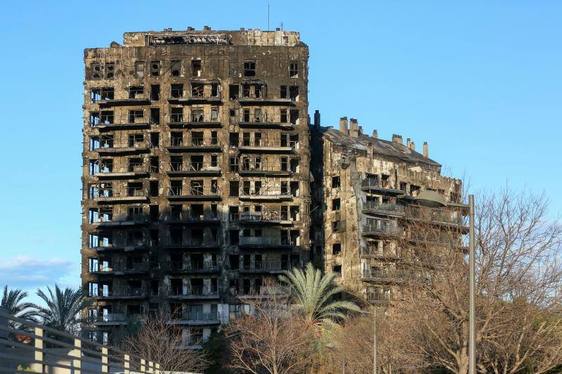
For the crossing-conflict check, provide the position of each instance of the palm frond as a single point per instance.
(314, 294)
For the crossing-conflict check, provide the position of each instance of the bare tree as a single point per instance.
(160, 342)
(518, 289)
(352, 347)
(271, 338)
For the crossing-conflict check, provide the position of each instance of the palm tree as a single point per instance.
(12, 302)
(314, 294)
(63, 308)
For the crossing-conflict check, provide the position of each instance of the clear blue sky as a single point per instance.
(481, 82)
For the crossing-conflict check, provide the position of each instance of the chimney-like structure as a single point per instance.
(397, 139)
(354, 128)
(425, 150)
(375, 134)
(343, 125)
(317, 118)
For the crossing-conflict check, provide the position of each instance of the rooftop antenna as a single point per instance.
(268, 16)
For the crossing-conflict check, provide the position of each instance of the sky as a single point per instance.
(480, 81)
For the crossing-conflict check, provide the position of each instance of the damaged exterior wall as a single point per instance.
(195, 174)
(365, 191)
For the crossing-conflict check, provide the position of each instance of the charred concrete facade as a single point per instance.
(367, 195)
(195, 174)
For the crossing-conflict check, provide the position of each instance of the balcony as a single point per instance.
(267, 125)
(124, 293)
(122, 269)
(189, 268)
(265, 242)
(195, 100)
(104, 127)
(382, 230)
(265, 196)
(440, 216)
(196, 293)
(124, 102)
(263, 218)
(385, 209)
(141, 147)
(275, 267)
(195, 124)
(178, 146)
(265, 101)
(198, 245)
(267, 149)
(378, 298)
(193, 194)
(111, 319)
(378, 254)
(194, 219)
(181, 169)
(383, 276)
(250, 171)
(131, 173)
(379, 186)
(136, 196)
(196, 318)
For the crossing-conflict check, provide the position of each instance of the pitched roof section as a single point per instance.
(382, 147)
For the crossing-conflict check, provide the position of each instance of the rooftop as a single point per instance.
(250, 37)
(354, 138)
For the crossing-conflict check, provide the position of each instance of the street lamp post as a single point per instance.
(471, 316)
(374, 340)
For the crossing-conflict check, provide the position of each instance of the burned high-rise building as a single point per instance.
(374, 201)
(195, 174)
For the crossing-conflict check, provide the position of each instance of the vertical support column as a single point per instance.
(104, 360)
(76, 355)
(142, 366)
(37, 366)
(126, 364)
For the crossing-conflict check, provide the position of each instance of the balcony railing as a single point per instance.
(267, 266)
(269, 216)
(196, 291)
(112, 317)
(377, 184)
(384, 208)
(200, 316)
(376, 229)
(383, 275)
(122, 268)
(191, 268)
(262, 240)
(122, 292)
(378, 297)
(435, 215)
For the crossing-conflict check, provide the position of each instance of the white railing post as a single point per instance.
(126, 364)
(37, 366)
(142, 366)
(104, 360)
(157, 365)
(76, 355)
(150, 367)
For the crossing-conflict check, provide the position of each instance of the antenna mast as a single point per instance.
(268, 16)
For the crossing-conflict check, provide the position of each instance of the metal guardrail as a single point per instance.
(26, 346)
